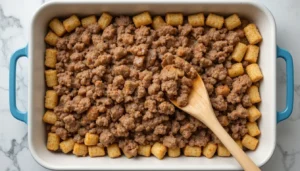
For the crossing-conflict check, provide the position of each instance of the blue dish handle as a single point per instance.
(286, 113)
(22, 116)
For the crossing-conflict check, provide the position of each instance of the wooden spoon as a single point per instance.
(199, 106)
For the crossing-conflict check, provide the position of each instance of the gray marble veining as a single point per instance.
(14, 150)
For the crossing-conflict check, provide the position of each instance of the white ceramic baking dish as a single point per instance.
(36, 48)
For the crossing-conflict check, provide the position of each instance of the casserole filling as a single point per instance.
(107, 89)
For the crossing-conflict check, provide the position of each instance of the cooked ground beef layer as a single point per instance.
(112, 83)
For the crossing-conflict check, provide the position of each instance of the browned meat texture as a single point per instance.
(116, 83)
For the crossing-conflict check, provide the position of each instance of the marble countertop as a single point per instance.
(15, 17)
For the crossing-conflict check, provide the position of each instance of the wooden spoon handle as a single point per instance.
(232, 146)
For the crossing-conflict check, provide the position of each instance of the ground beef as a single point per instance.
(82, 105)
(139, 50)
(177, 76)
(118, 82)
(170, 141)
(102, 121)
(232, 38)
(130, 147)
(109, 32)
(106, 138)
(62, 133)
(71, 124)
(93, 113)
(238, 129)
(240, 112)
(217, 72)
(185, 30)
(166, 108)
(233, 98)
(200, 140)
(186, 130)
(160, 130)
(119, 52)
(241, 83)
(128, 122)
(246, 101)
(219, 103)
(78, 139)
(116, 112)
(118, 130)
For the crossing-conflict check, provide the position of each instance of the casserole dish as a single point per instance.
(35, 51)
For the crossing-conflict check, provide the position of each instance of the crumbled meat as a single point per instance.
(79, 46)
(175, 127)
(139, 50)
(240, 112)
(93, 113)
(82, 105)
(86, 37)
(116, 112)
(217, 72)
(71, 124)
(160, 130)
(233, 98)
(126, 39)
(185, 30)
(186, 130)
(118, 83)
(219, 45)
(179, 116)
(153, 88)
(166, 108)
(170, 87)
(127, 121)
(165, 30)
(130, 147)
(219, 103)
(238, 129)
(241, 83)
(169, 141)
(62, 133)
(140, 138)
(102, 121)
(78, 139)
(121, 70)
(150, 105)
(129, 87)
(119, 52)
(183, 100)
(118, 130)
(109, 32)
(94, 28)
(184, 52)
(200, 140)
(141, 92)
(106, 138)
(139, 61)
(246, 101)
(232, 38)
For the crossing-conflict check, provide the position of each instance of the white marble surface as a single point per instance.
(15, 16)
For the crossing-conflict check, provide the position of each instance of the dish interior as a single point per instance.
(37, 134)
